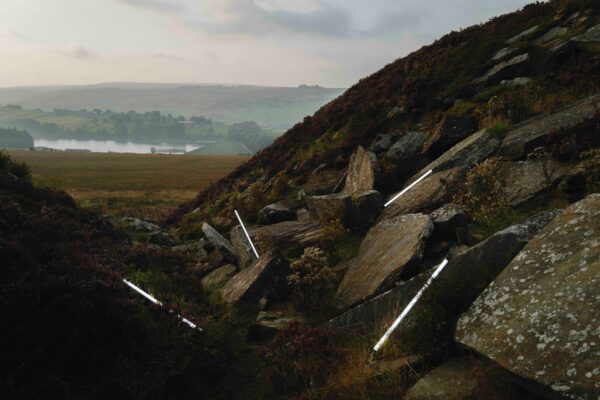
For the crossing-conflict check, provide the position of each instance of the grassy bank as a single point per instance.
(145, 185)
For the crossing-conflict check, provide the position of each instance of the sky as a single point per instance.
(331, 43)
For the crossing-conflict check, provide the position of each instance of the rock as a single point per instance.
(366, 207)
(503, 53)
(194, 249)
(463, 378)
(303, 215)
(362, 172)
(388, 248)
(519, 81)
(217, 278)
(523, 34)
(470, 151)
(139, 225)
(220, 243)
(243, 251)
(267, 277)
(162, 239)
(425, 195)
(451, 130)
(537, 319)
(590, 40)
(292, 232)
(523, 180)
(382, 142)
(551, 35)
(268, 324)
(276, 212)
(430, 324)
(447, 219)
(534, 132)
(406, 148)
(330, 207)
(504, 69)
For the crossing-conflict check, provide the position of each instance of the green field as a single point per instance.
(144, 185)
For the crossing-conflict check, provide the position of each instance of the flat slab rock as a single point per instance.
(539, 317)
(265, 278)
(531, 133)
(219, 242)
(303, 233)
(387, 249)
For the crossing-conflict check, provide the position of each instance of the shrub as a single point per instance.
(499, 129)
(483, 193)
(302, 357)
(333, 230)
(311, 280)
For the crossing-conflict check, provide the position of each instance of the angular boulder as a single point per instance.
(330, 207)
(276, 212)
(217, 278)
(504, 53)
(406, 148)
(535, 132)
(523, 34)
(388, 248)
(267, 277)
(292, 232)
(451, 130)
(362, 172)
(382, 142)
(243, 251)
(219, 242)
(425, 195)
(538, 318)
(447, 219)
(366, 207)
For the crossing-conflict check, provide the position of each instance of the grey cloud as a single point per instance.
(77, 51)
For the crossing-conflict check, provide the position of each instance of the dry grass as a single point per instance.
(146, 185)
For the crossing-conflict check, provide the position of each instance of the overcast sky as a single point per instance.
(267, 42)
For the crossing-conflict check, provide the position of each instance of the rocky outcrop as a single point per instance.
(140, 225)
(217, 278)
(551, 35)
(504, 53)
(267, 277)
(243, 251)
(219, 242)
(387, 249)
(406, 148)
(451, 130)
(292, 232)
(276, 212)
(534, 132)
(590, 40)
(362, 172)
(162, 239)
(523, 34)
(503, 70)
(425, 195)
(536, 318)
(382, 142)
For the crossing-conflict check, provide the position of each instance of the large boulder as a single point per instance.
(366, 207)
(243, 250)
(292, 232)
(425, 195)
(451, 130)
(447, 219)
(406, 148)
(388, 248)
(524, 34)
(330, 207)
(382, 142)
(504, 70)
(267, 277)
(217, 278)
(468, 152)
(538, 318)
(535, 132)
(219, 242)
(362, 172)
(552, 35)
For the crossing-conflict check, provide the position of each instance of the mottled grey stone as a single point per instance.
(362, 172)
(504, 69)
(220, 243)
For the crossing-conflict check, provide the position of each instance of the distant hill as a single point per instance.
(270, 107)
(223, 148)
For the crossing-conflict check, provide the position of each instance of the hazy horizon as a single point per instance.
(331, 43)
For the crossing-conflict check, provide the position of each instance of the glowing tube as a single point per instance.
(247, 236)
(408, 187)
(410, 305)
(152, 299)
